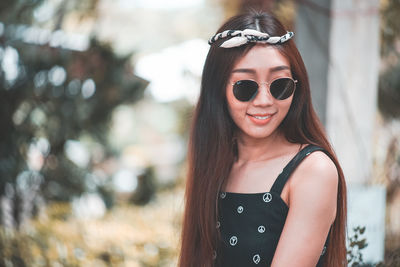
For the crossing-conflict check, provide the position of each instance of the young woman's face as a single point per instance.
(260, 116)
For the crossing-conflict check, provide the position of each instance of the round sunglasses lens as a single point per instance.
(244, 90)
(282, 88)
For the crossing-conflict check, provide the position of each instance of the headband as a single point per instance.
(240, 38)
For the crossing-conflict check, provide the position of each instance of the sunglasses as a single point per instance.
(280, 89)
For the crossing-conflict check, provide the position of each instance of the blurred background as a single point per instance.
(96, 98)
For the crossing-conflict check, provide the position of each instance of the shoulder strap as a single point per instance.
(280, 182)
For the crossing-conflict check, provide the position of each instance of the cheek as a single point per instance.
(285, 107)
(237, 109)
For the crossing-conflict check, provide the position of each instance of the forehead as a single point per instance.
(262, 57)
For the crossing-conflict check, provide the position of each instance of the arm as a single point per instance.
(312, 198)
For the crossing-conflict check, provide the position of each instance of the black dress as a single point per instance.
(251, 223)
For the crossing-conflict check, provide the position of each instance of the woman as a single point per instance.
(264, 185)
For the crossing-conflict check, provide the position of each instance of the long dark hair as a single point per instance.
(212, 153)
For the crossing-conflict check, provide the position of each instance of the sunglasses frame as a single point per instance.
(269, 88)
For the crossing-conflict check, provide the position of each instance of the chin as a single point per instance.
(258, 135)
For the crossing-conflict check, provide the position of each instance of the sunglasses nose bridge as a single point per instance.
(264, 96)
(267, 87)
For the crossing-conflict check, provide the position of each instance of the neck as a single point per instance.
(253, 149)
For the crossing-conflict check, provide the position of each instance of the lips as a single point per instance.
(261, 118)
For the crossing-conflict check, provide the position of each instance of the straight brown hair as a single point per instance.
(212, 152)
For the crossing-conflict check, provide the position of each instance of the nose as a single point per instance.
(263, 97)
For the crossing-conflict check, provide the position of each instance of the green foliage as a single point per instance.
(22, 11)
(390, 27)
(44, 245)
(356, 243)
(50, 95)
(389, 80)
(123, 237)
(12, 11)
(354, 255)
(389, 91)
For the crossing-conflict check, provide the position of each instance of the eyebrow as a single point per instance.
(244, 71)
(252, 71)
(279, 68)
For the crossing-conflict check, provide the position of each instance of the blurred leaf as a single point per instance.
(49, 96)
(389, 80)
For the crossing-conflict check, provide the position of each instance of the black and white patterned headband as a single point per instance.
(240, 38)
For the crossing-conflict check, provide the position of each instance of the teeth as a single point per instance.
(262, 118)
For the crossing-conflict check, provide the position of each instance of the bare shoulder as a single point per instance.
(315, 181)
(312, 210)
(317, 172)
(318, 164)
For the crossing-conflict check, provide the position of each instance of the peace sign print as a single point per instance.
(256, 259)
(233, 240)
(240, 209)
(267, 197)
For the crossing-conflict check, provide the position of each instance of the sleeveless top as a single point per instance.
(250, 224)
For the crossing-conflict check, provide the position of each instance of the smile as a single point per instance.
(261, 116)
(260, 119)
